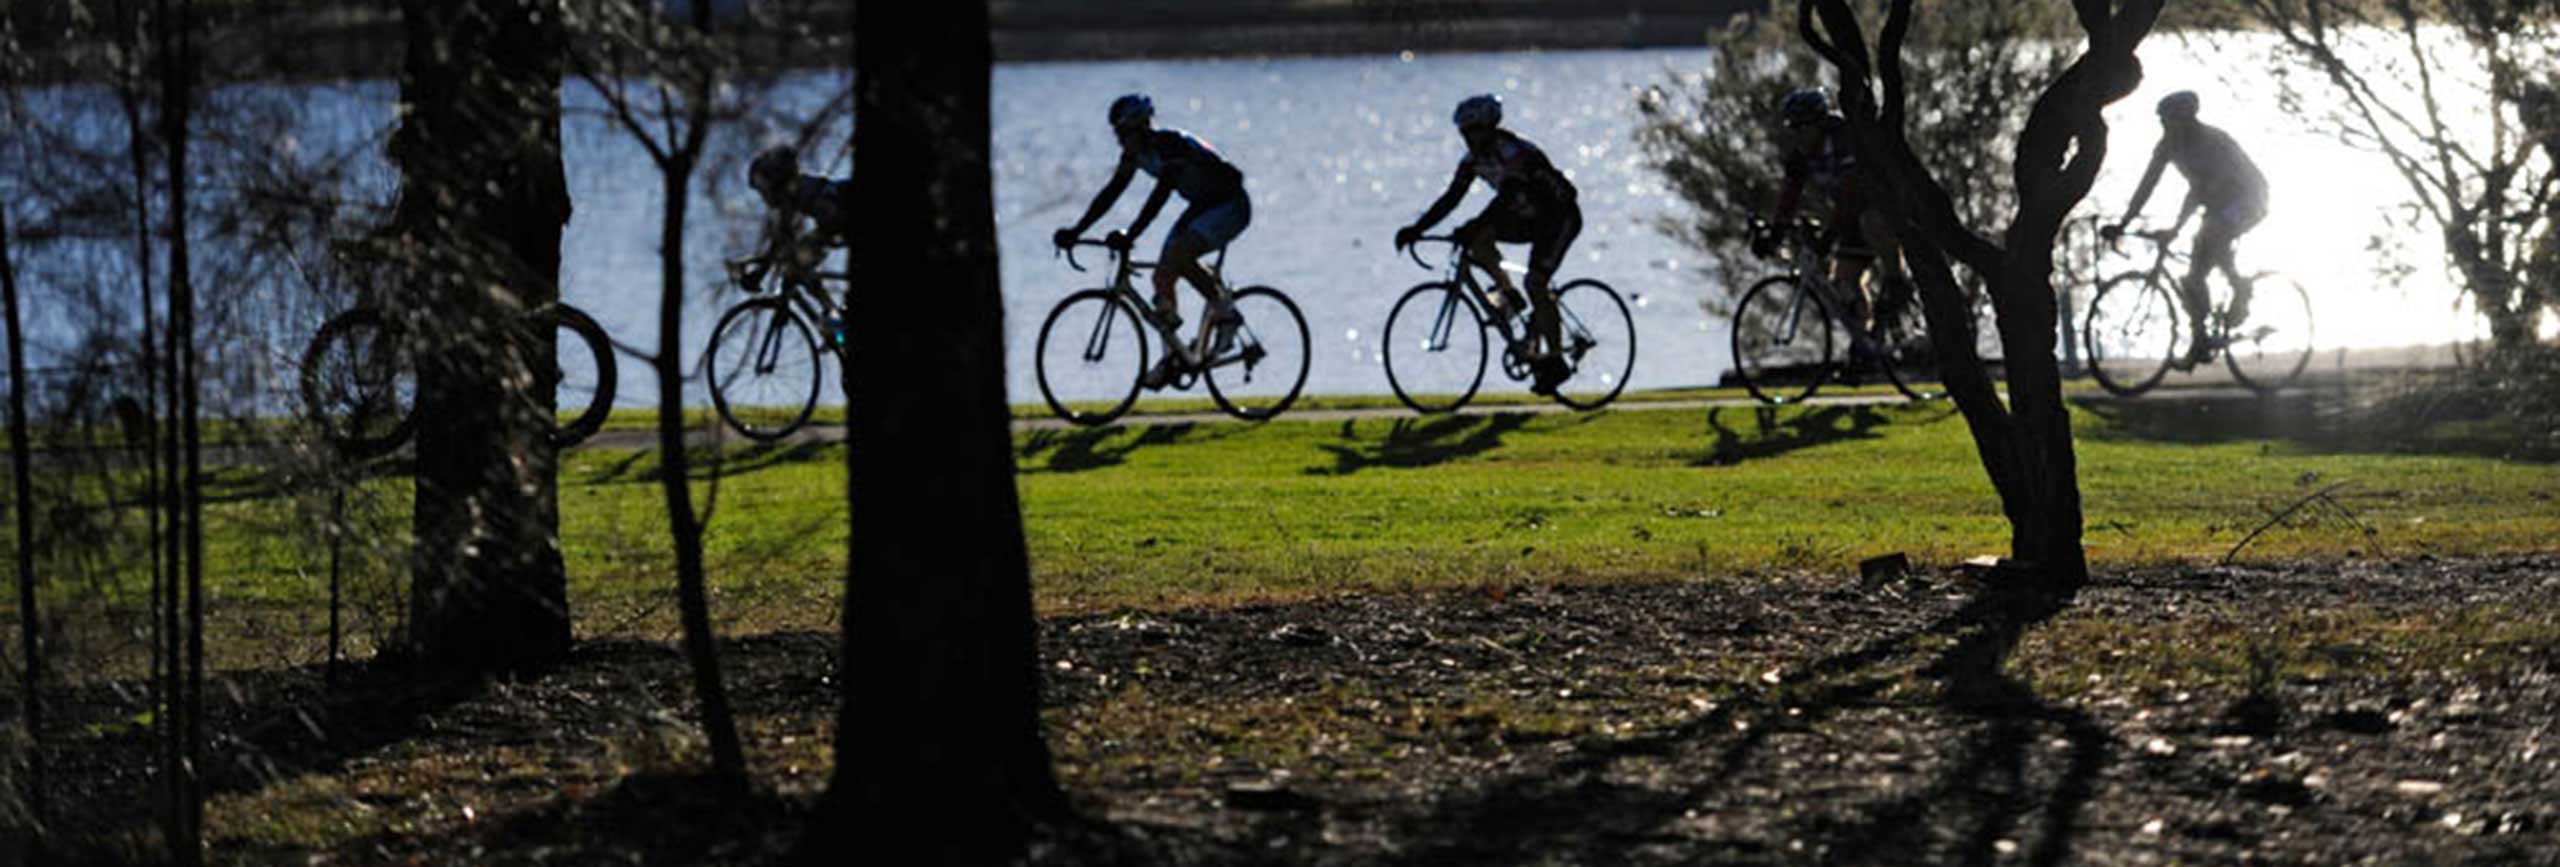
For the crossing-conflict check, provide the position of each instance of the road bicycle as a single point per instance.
(1435, 344)
(1791, 330)
(764, 362)
(1095, 346)
(2136, 327)
(360, 372)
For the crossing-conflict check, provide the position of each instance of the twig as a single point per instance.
(2305, 500)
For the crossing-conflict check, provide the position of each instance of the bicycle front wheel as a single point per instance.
(360, 384)
(1261, 374)
(1093, 350)
(1783, 341)
(2270, 348)
(1434, 348)
(764, 369)
(582, 375)
(1599, 343)
(2132, 336)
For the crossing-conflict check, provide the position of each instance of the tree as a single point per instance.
(482, 203)
(2025, 444)
(939, 755)
(2442, 89)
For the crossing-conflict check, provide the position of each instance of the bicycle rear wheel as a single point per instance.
(2132, 335)
(1093, 350)
(1434, 348)
(764, 369)
(1783, 340)
(1910, 352)
(582, 375)
(1260, 376)
(360, 384)
(2271, 347)
(1599, 342)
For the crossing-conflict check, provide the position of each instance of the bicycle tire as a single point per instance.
(1263, 344)
(369, 427)
(1452, 325)
(2131, 334)
(1770, 342)
(1910, 353)
(573, 322)
(788, 348)
(1095, 391)
(2277, 345)
(1594, 341)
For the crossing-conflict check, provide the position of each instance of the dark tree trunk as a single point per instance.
(22, 478)
(484, 199)
(939, 754)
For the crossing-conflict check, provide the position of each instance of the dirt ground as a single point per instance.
(2316, 714)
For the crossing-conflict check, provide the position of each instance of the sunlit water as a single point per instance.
(1338, 152)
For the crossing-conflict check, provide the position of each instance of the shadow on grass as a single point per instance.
(1752, 433)
(1594, 807)
(2438, 418)
(650, 818)
(1092, 448)
(1413, 443)
(641, 467)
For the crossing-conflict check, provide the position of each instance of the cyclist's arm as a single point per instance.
(1447, 202)
(1790, 194)
(2150, 179)
(1110, 193)
(1155, 203)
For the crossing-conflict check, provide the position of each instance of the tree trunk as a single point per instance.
(484, 199)
(939, 754)
(22, 478)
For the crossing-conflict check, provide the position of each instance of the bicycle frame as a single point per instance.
(1462, 274)
(1124, 286)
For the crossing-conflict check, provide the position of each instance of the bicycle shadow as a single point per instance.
(1596, 805)
(1772, 432)
(640, 466)
(1413, 443)
(1083, 449)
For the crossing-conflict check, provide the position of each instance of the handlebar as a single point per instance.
(1416, 255)
(1070, 251)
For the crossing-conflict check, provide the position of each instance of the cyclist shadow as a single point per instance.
(1082, 449)
(641, 467)
(1412, 443)
(1769, 435)
(1995, 793)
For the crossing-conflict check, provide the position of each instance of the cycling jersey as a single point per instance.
(1519, 174)
(1190, 165)
(2219, 175)
(827, 202)
(1830, 169)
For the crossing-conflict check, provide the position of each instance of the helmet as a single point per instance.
(1483, 109)
(773, 167)
(1805, 106)
(1132, 110)
(2181, 104)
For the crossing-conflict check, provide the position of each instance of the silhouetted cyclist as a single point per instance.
(2227, 186)
(1533, 203)
(1819, 159)
(1216, 211)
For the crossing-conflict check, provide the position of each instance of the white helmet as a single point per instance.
(1482, 109)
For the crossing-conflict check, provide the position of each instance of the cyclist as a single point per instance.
(1533, 203)
(775, 176)
(1215, 211)
(2226, 185)
(1817, 154)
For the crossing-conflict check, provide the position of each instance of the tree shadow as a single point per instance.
(1082, 449)
(628, 822)
(1768, 435)
(1412, 443)
(2424, 418)
(1582, 808)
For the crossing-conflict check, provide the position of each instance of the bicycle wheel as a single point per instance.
(1434, 348)
(582, 376)
(1092, 352)
(1910, 354)
(1261, 375)
(359, 383)
(1599, 342)
(1783, 340)
(2132, 334)
(763, 365)
(2271, 347)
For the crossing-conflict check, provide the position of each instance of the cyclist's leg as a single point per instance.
(2212, 252)
(2238, 219)
(1478, 237)
(1215, 228)
(1547, 248)
(1893, 288)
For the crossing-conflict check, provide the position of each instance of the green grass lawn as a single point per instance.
(1177, 514)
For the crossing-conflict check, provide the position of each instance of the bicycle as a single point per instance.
(1787, 330)
(763, 356)
(2135, 325)
(1434, 347)
(359, 374)
(1093, 348)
